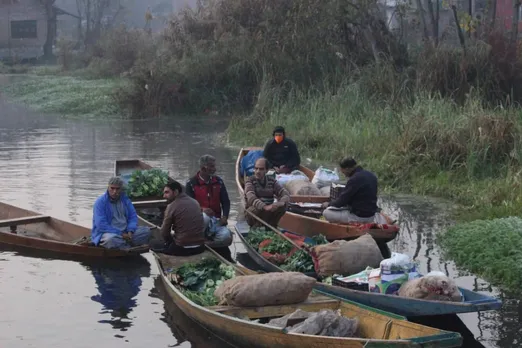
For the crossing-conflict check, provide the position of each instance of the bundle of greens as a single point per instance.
(200, 280)
(300, 261)
(149, 182)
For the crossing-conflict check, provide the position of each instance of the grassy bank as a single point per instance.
(500, 261)
(69, 96)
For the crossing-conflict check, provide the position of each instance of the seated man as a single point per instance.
(260, 190)
(211, 193)
(115, 222)
(358, 200)
(282, 152)
(183, 216)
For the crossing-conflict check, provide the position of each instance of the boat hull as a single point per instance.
(408, 307)
(51, 235)
(243, 333)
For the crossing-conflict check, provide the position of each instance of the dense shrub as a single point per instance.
(231, 53)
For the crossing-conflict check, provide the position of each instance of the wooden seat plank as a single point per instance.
(150, 204)
(24, 220)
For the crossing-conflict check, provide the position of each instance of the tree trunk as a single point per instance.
(422, 19)
(459, 29)
(434, 17)
(514, 24)
(492, 12)
(51, 30)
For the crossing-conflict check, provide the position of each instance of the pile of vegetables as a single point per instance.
(149, 182)
(199, 280)
(296, 261)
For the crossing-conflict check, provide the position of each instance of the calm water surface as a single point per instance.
(59, 167)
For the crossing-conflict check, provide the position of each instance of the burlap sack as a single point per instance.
(435, 288)
(302, 188)
(268, 289)
(347, 257)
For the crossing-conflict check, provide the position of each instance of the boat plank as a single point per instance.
(24, 220)
(150, 204)
(311, 305)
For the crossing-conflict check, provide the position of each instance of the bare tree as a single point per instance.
(93, 12)
(51, 28)
(434, 17)
(516, 18)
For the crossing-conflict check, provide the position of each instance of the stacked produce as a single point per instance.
(278, 250)
(198, 281)
(147, 183)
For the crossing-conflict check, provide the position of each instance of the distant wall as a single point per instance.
(24, 10)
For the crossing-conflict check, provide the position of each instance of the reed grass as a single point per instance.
(491, 249)
(433, 147)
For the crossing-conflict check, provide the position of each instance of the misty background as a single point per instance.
(132, 13)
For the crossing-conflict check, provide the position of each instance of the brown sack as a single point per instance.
(435, 288)
(347, 257)
(301, 188)
(268, 289)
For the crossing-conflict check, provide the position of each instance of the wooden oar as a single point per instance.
(275, 230)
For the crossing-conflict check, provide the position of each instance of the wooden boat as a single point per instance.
(378, 328)
(20, 228)
(310, 226)
(409, 307)
(125, 168)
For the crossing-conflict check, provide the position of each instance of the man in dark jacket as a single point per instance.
(282, 152)
(358, 200)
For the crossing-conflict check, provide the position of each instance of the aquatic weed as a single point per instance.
(491, 249)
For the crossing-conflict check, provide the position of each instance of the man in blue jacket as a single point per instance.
(115, 222)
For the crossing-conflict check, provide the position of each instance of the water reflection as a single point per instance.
(118, 283)
(187, 332)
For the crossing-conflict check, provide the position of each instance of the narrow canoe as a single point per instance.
(20, 228)
(379, 329)
(309, 226)
(409, 307)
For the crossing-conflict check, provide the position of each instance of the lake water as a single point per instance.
(59, 167)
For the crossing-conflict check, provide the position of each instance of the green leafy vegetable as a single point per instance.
(300, 261)
(199, 280)
(149, 182)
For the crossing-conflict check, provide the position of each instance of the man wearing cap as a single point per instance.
(358, 200)
(115, 222)
(282, 152)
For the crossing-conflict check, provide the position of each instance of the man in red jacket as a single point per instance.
(210, 192)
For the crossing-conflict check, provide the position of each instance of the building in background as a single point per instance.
(23, 28)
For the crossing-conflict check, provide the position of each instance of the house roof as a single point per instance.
(60, 12)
